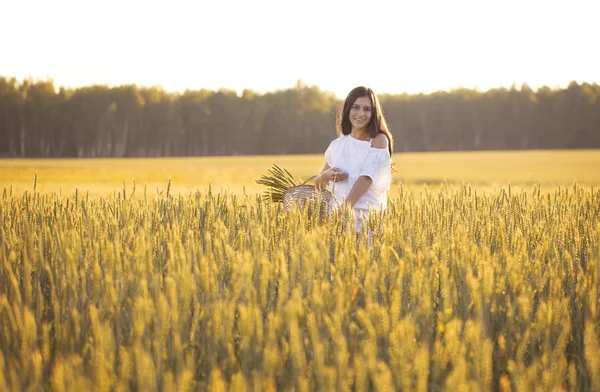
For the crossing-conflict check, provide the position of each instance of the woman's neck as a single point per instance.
(360, 133)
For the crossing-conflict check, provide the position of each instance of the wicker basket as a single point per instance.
(304, 194)
(282, 187)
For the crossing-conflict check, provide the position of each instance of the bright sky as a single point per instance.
(392, 46)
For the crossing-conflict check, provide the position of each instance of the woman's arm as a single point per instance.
(320, 182)
(360, 187)
(362, 184)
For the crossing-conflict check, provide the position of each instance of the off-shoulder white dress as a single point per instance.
(358, 158)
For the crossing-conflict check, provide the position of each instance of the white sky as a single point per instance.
(264, 45)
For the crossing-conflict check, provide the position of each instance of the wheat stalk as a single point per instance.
(277, 183)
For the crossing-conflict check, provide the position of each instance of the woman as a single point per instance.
(358, 163)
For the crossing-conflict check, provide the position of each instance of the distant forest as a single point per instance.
(37, 119)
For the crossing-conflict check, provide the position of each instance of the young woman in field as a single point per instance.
(358, 163)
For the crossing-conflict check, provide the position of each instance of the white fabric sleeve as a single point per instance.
(329, 155)
(378, 167)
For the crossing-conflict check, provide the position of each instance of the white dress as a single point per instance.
(358, 158)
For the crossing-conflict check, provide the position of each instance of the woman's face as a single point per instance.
(360, 112)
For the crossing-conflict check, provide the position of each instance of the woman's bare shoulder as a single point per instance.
(380, 141)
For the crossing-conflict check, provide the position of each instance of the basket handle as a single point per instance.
(308, 179)
(332, 194)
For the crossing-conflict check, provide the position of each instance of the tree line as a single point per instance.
(37, 119)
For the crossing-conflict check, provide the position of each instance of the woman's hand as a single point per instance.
(328, 174)
(334, 174)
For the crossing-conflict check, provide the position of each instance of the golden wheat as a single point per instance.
(451, 289)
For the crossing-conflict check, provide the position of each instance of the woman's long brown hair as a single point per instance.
(376, 125)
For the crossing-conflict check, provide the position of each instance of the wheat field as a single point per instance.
(486, 171)
(453, 288)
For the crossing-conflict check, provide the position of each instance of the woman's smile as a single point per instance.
(361, 112)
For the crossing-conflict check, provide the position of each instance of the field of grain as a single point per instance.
(457, 287)
(483, 170)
